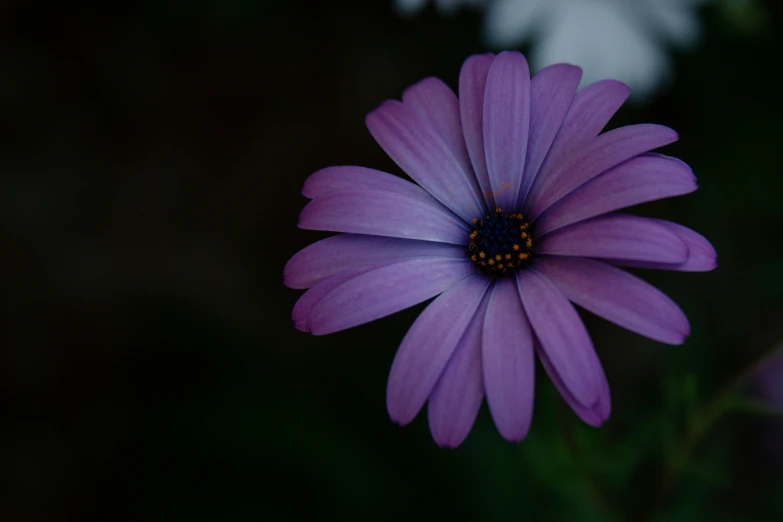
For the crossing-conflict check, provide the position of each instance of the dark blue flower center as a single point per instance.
(501, 243)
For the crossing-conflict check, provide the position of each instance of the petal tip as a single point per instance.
(302, 221)
(600, 415)
(598, 422)
(514, 57)
(289, 275)
(376, 114)
(398, 418)
(621, 87)
(397, 410)
(678, 337)
(446, 442)
(514, 438)
(301, 325)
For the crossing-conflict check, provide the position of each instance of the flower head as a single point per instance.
(512, 216)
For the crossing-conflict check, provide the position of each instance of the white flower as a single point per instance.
(621, 39)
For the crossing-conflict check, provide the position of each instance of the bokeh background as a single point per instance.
(152, 155)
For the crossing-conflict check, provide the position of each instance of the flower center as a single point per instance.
(500, 243)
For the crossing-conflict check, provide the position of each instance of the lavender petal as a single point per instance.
(701, 254)
(506, 125)
(437, 105)
(384, 291)
(472, 82)
(563, 337)
(428, 346)
(590, 111)
(351, 179)
(380, 213)
(508, 362)
(551, 93)
(305, 303)
(336, 254)
(455, 401)
(594, 415)
(420, 151)
(644, 178)
(616, 236)
(617, 296)
(598, 155)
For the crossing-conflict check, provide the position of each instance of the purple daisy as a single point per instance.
(512, 217)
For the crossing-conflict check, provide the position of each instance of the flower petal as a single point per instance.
(598, 155)
(306, 302)
(350, 179)
(437, 105)
(472, 82)
(335, 254)
(506, 125)
(551, 93)
(616, 236)
(428, 346)
(425, 157)
(507, 361)
(563, 337)
(456, 398)
(644, 178)
(588, 114)
(598, 412)
(617, 296)
(384, 291)
(701, 254)
(380, 213)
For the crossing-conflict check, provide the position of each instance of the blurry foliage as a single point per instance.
(153, 155)
(750, 18)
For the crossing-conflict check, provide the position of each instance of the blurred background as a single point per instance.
(152, 156)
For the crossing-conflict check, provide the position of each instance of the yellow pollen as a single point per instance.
(507, 248)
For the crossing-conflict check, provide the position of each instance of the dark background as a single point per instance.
(152, 156)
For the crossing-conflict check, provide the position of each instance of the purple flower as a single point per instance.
(513, 216)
